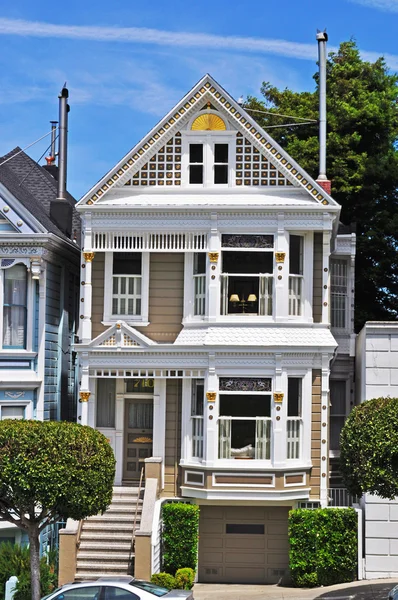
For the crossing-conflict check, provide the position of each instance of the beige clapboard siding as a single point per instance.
(97, 279)
(318, 276)
(316, 435)
(166, 296)
(173, 437)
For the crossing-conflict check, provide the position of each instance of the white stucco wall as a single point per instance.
(377, 375)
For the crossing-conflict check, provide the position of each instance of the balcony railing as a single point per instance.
(341, 497)
(258, 448)
(197, 437)
(293, 437)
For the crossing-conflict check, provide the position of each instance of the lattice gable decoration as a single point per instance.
(120, 335)
(207, 90)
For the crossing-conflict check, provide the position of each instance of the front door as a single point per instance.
(138, 435)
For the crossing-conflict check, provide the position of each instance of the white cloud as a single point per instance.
(384, 5)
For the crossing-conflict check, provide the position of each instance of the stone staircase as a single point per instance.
(105, 540)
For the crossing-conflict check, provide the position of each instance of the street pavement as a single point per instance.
(376, 589)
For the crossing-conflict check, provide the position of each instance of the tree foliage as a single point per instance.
(51, 471)
(369, 448)
(362, 162)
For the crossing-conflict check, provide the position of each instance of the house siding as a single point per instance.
(97, 278)
(173, 438)
(166, 297)
(316, 441)
(317, 279)
(54, 291)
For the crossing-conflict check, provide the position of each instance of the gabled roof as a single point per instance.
(120, 336)
(34, 188)
(206, 90)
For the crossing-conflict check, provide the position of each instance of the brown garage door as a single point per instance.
(246, 544)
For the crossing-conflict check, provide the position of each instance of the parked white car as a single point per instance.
(116, 588)
(393, 594)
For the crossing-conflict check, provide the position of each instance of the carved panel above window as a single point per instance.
(247, 241)
(243, 384)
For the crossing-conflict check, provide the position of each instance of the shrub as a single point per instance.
(164, 580)
(323, 546)
(185, 578)
(180, 536)
(15, 560)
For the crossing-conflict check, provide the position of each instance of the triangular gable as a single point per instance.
(120, 335)
(207, 90)
(14, 216)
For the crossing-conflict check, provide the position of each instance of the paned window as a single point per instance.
(199, 281)
(338, 411)
(247, 274)
(296, 275)
(338, 293)
(196, 163)
(15, 307)
(106, 395)
(12, 412)
(294, 417)
(220, 163)
(127, 283)
(197, 417)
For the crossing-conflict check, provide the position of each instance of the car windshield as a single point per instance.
(52, 594)
(156, 590)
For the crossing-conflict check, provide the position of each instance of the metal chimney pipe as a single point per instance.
(53, 137)
(63, 142)
(322, 38)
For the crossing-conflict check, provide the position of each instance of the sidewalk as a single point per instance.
(376, 589)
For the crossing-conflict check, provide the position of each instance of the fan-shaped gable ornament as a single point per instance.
(208, 122)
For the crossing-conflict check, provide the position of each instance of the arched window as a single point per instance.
(15, 307)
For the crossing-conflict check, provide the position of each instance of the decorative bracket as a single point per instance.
(84, 396)
(88, 256)
(278, 397)
(280, 257)
(211, 396)
(213, 257)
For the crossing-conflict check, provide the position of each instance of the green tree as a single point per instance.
(369, 448)
(51, 471)
(362, 162)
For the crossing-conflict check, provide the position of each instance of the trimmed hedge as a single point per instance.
(164, 580)
(180, 536)
(323, 546)
(185, 579)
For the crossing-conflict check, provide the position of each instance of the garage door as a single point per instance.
(243, 545)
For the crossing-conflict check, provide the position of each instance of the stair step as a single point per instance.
(125, 518)
(88, 546)
(94, 566)
(108, 526)
(104, 557)
(92, 576)
(103, 536)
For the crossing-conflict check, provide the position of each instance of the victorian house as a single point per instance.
(208, 347)
(39, 286)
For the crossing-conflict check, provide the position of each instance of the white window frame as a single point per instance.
(347, 314)
(208, 139)
(306, 277)
(336, 453)
(141, 319)
(29, 309)
(189, 294)
(27, 406)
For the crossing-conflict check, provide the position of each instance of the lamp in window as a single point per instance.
(242, 303)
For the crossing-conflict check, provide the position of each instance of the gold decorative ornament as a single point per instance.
(208, 122)
(278, 397)
(211, 396)
(118, 326)
(280, 257)
(88, 256)
(84, 396)
(213, 257)
(142, 440)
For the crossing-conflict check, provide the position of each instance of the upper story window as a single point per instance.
(294, 417)
(126, 284)
(296, 244)
(339, 292)
(15, 307)
(247, 274)
(209, 163)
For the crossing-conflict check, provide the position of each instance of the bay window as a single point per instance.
(197, 406)
(294, 417)
(247, 274)
(15, 307)
(296, 275)
(244, 425)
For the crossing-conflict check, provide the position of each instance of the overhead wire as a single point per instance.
(269, 112)
(26, 147)
(37, 161)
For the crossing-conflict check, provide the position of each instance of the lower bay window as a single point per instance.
(294, 418)
(15, 307)
(244, 425)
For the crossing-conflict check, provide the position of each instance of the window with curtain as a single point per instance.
(106, 394)
(15, 307)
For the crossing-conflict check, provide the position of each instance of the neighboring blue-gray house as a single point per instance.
(39, 295)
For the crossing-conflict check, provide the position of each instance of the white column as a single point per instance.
(213, 271)
(84, 392)
(326, 277)
(92, 413)
(119, 430)
(281, 272)
(210, 414)
(86, 296)
(186, 426)
(41, 344)
(308, 272)
(325, 429)
(159, 422)
(278, 414)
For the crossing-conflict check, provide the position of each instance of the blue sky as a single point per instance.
(127, 63)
